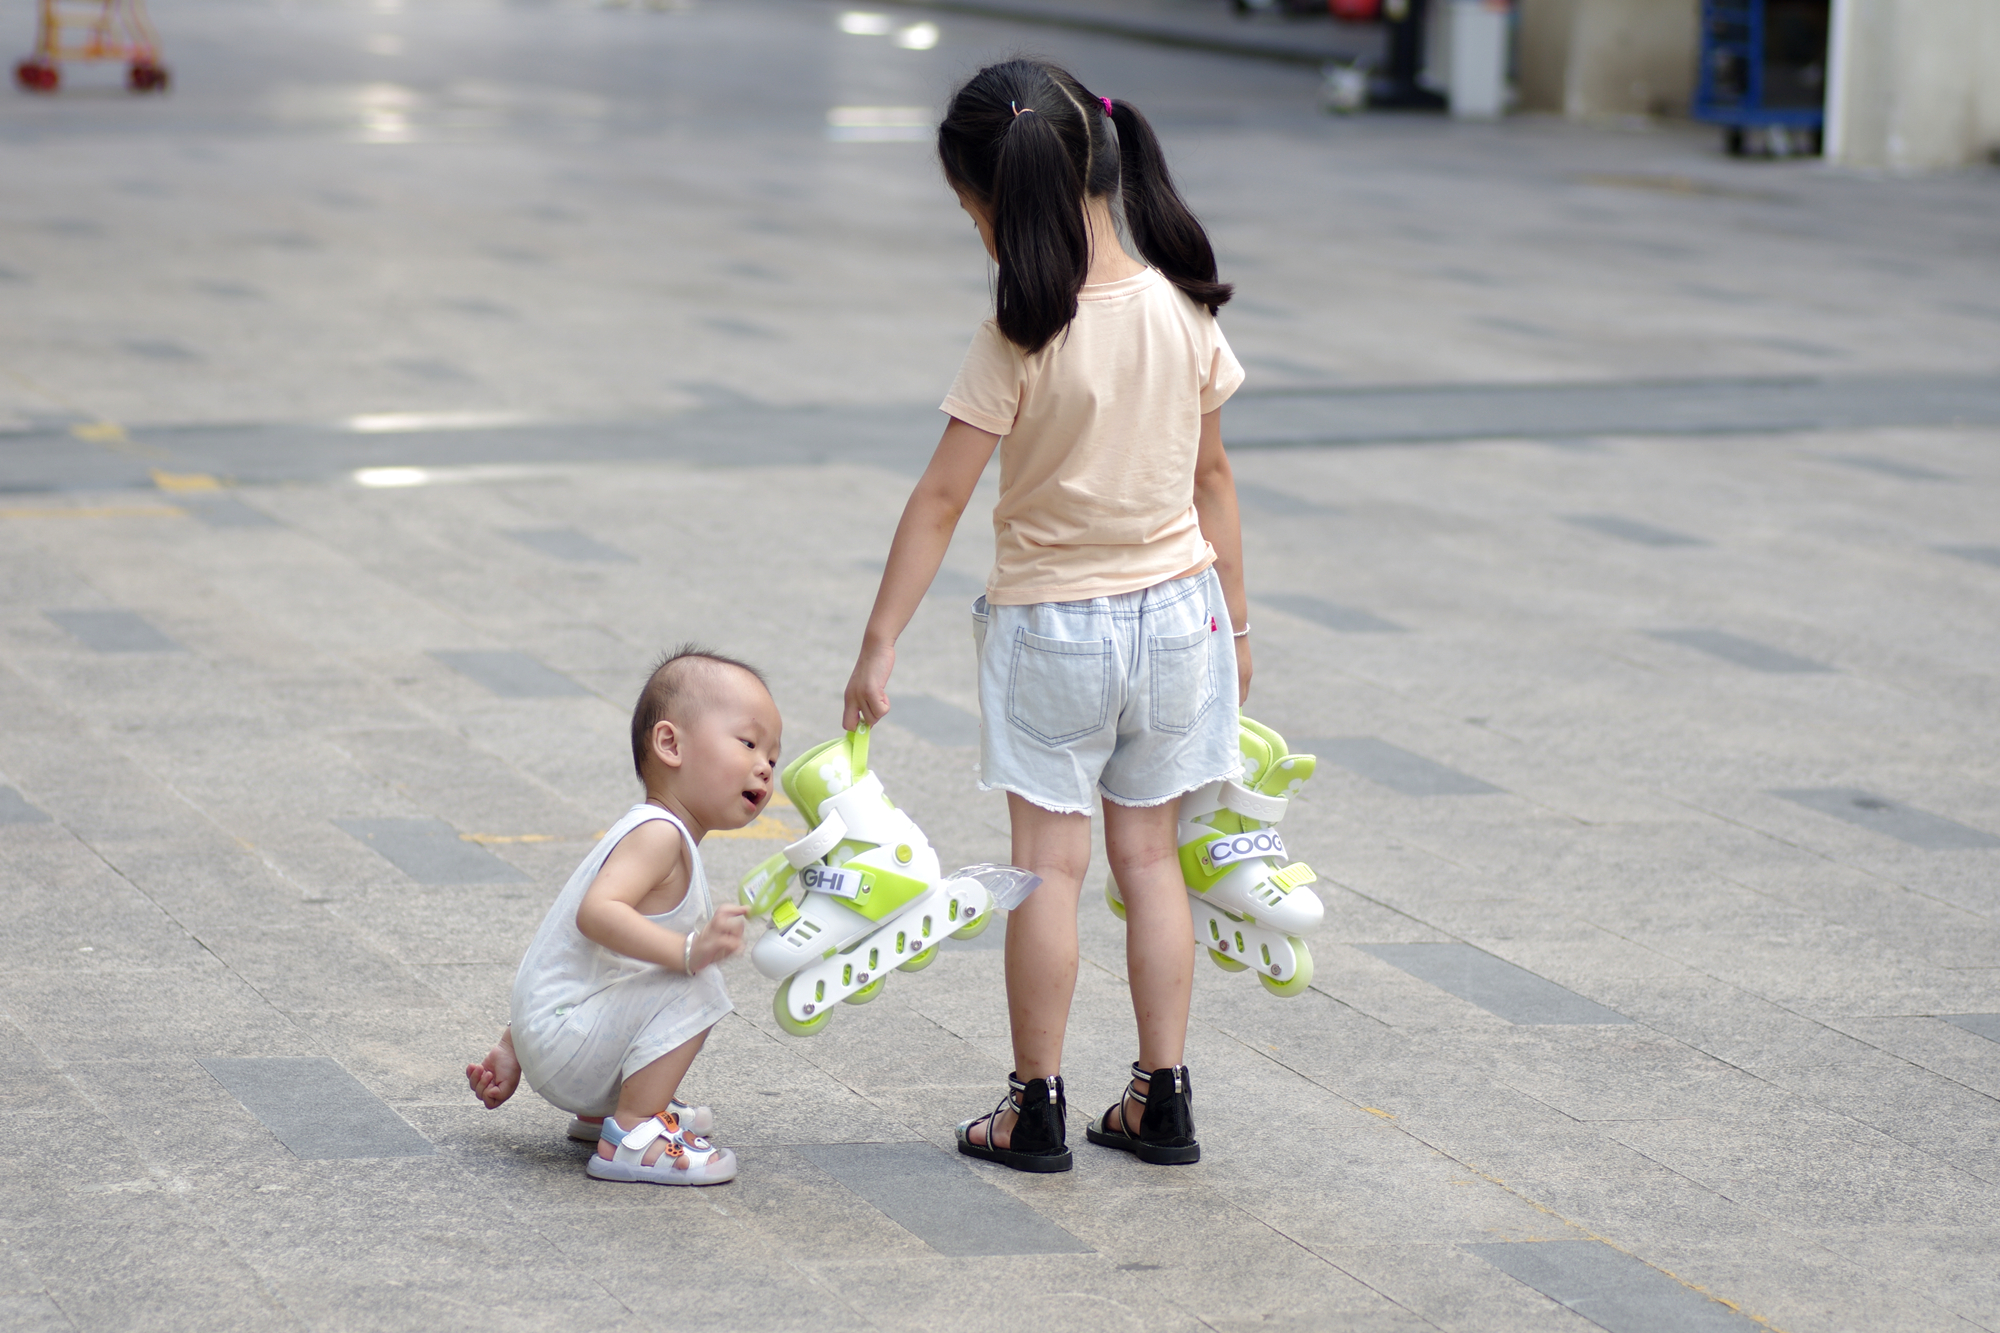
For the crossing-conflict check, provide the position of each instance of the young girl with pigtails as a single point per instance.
(1112, 649)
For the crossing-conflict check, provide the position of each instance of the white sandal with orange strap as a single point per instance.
(687, 1158)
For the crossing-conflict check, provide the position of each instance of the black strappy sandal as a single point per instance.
(1166, 1125)
(1040, 1138)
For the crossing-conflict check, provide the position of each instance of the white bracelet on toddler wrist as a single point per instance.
(687, 954)
(1243, 633)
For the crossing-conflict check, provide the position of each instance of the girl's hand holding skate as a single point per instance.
(721, 938)
(868, 687)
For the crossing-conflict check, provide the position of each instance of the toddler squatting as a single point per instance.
(620, 987)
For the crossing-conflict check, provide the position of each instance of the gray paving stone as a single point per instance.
(1743, 652)
(945, 1203)
(1517, 995)
(114, 631)
(225, 511)
(1394, 767)
(1891, 467)
(1632, 530)
(509, 674)
(1344, 619)
(430, 851)
(1617, 1291)
(1985, 555)
(14, 809)
(316, 1108)
(1878, 814)
(569, 544)
(938, 721)
(1280, 503)
(1984, 1025)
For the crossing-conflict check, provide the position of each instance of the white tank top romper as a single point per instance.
(586, 1018)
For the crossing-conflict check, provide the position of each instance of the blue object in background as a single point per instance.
(1763, 68)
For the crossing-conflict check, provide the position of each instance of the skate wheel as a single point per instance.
(792, 1025)
(1111, 898)
(1300, 979)
(978, 925)
(920, 961)
(868, 992)
(1226, 963)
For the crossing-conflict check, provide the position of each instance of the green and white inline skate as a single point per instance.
(1250, 906)
(873, 897)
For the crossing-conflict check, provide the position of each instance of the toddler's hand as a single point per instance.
(868, 687)
(494, 1079)
(722, 937)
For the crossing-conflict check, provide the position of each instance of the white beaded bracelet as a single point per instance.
(687, 954)
(1243, 633)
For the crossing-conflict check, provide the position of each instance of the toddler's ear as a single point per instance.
(667, 743)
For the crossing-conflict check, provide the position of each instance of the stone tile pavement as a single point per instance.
(291, 759)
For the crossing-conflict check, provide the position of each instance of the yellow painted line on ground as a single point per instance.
(499, 839)
(112, 436)
(180, 483)
(97, 511)
(1373, 1111)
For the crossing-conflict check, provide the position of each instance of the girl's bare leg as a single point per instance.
(1041, 942)
(647, 1093)
(1143, 845)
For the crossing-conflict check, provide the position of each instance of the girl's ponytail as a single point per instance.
(1165, 231)
(1028, 145)
(1036, 202)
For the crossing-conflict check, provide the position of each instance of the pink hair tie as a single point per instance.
(1107, 104)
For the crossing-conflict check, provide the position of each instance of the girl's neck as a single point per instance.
(1108, 260)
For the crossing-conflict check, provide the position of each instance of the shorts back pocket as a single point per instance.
(1181, 667)
(1058, 690)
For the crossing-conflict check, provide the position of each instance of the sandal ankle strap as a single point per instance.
(1016, 1089)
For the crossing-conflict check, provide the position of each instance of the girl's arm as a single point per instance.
(1215, 506)
(921, 538)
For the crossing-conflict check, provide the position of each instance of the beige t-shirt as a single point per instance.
(1100, 429)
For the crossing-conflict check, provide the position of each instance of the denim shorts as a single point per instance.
(1130, 697)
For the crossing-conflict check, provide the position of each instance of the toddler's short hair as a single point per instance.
(670, 686)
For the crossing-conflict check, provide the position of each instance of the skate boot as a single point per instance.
(873, 898)
(1250, 907)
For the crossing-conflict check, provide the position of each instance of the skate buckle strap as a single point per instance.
(1294, 875)
(1232, 848)
(817, 843)
(1253, 804)
(833, 883)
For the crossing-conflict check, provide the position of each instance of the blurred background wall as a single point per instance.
(1597, 58)
(1914, 84)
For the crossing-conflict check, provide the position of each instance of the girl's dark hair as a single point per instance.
(1028, 143)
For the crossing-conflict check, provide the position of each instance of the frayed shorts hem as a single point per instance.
(1053, 807)
(1136, 803)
